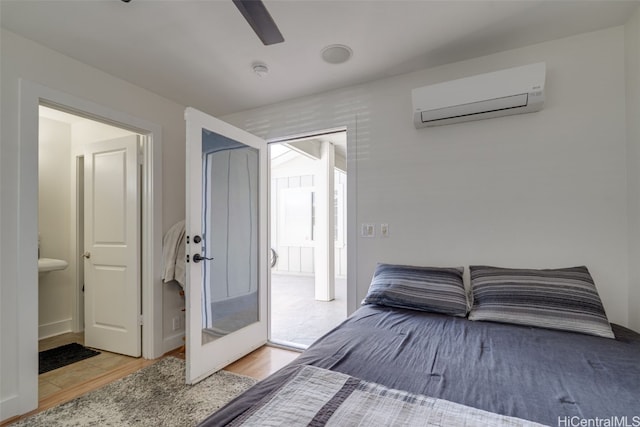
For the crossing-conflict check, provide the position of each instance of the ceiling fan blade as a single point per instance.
(257, 15)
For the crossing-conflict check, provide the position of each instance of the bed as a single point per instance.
(432, 350)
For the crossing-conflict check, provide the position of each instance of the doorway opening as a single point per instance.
(63, 140)
(32, 95)
(308, 286)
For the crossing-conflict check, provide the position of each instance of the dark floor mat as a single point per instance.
(58, 357)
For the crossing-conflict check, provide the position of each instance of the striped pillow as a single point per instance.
(564, 299)
(434, 289)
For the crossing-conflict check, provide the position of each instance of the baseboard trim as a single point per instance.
(172, 342)
(55, 328)
(11, 408)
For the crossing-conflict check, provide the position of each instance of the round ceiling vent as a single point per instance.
(336, 53)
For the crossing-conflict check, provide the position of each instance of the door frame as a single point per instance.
(274, 125)
(281, 136)
(31, 96)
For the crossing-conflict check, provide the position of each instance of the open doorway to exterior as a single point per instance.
(308, 292)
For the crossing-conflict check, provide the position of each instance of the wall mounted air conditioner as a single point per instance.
(512, 91)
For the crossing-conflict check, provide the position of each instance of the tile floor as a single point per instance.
(68, 376)
(296, 317)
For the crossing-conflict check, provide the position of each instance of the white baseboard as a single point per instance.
(12, 406)
(172, 342)
(9, 407)
(55, 328)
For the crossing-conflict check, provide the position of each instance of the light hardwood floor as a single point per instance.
(64, 384)
(262, 362)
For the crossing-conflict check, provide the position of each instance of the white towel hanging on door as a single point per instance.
(173, 254)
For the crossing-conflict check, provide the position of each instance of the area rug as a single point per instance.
(154, 396)
(64, 355)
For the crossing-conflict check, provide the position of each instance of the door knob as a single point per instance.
(198, 258)
(86, 255)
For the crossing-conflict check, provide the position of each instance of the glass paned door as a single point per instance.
(226, 244)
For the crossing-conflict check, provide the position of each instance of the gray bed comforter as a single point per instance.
(551, 377)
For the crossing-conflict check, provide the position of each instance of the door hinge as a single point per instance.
(140, 320)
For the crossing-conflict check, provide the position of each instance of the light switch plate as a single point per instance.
(384, 230)
(368, 230)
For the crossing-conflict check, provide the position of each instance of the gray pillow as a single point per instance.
(564, 299)
(434, 289)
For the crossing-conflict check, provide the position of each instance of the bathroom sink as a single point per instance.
(50, 264)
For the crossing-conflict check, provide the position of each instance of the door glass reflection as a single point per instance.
(230, 235)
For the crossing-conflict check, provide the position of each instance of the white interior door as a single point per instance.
(112, 246)
(226, 223)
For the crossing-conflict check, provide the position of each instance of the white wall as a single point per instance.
(546, 189)
(24, 59)
(632, 69)
(55, 297)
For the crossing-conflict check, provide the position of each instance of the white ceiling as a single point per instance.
(199, 53)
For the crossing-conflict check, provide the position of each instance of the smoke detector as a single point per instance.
(260, 69)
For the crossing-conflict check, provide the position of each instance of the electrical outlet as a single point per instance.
(176, 323)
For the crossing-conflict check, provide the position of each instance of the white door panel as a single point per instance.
(112, 246)
(226, 223)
